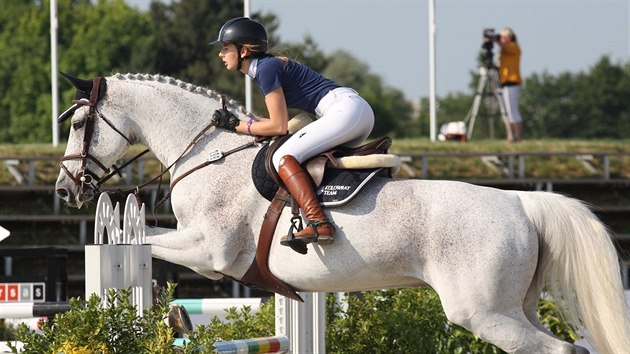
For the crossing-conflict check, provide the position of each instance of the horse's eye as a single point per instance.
(76, 125)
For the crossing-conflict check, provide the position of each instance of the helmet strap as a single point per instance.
(240, 58)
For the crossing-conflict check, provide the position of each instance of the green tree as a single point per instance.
(392, 112)
(454, 108)
(178, 47)
(590, 104)
(93, 39)
(24, 72)
(601, 101)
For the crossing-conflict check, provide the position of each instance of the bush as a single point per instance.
(399, 321)
(412, 321)
(90, 328)
(386, 321)
(240, 324)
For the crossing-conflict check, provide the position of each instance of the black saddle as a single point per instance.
(335, 186)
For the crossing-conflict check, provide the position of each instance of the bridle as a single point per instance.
(85, 178)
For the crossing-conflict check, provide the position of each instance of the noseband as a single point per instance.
(84, 177)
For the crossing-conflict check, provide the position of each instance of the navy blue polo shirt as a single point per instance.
(303, 87)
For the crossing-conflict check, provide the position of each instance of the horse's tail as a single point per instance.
(579, 263)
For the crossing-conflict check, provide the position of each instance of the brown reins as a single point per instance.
(86, 177)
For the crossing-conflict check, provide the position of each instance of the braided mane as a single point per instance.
(186, 86)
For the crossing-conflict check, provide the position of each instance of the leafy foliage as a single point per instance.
(97, 38)
(240, 324)
(397, 321)
(552, 318)
(586, 105)
(386, 321)
(91, 328)
(411, 321)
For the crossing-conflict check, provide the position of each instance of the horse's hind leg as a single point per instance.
(530, 307)
(495, 312)
(512, 332)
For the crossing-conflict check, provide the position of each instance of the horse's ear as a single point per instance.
(102, 88)
(84, 87)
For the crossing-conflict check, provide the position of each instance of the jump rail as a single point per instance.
(276, 344)
(217, 306)
(32, 309)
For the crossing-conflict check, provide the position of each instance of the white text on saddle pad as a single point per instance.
(333, 190)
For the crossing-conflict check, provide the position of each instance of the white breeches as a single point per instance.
(344, 118)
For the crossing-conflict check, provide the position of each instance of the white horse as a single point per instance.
(486, 252)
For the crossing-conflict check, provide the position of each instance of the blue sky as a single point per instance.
(391, 36)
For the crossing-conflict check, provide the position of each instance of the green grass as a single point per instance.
(438, 167)
(543, 145)
(402, 145)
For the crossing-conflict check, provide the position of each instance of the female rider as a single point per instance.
(344, 118)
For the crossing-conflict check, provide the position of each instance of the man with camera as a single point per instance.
(510, 79)
(509, 76)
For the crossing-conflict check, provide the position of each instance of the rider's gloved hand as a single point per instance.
(225, 119)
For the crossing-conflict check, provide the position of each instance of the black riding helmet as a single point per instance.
(243, 30)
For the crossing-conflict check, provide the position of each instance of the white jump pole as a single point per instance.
(303, 323)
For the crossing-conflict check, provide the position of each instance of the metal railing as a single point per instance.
(508, 167)
(512, 165)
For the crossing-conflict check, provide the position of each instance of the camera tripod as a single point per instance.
(488, 86)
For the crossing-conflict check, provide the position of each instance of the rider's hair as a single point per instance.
(257, 53)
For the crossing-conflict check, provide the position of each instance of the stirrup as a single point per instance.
(290, 238)
(296, 244)
(327, 240)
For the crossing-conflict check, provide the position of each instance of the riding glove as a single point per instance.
(225, 119)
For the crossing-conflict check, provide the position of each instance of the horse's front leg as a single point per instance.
(190, 247)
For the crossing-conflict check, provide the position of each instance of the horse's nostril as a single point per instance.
(62, 193)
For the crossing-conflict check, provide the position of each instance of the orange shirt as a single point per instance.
(509, 64)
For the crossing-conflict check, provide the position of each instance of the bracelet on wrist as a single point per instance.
(249, 125)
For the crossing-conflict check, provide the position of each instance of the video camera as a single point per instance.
(489, 37)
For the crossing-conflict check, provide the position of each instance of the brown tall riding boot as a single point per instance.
(299, 185)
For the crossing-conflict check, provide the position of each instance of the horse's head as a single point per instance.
(95, 143)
